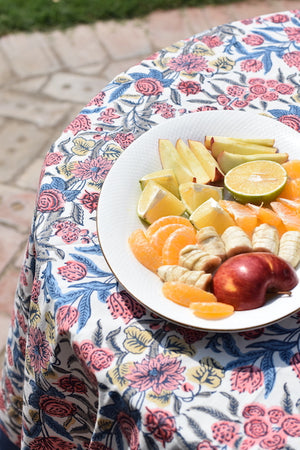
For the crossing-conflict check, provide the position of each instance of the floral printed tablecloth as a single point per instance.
(87, 367)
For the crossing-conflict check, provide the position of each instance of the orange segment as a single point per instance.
(184, 294)
(268, 216)
(289, 217)
(216, 310)
(158, 238)
(293, 168)
(175, 242)
(293, 204)
(291, 189)
(243, 216)
(166, 220)
(144, 251)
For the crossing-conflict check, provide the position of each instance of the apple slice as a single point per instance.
(228, 160)
(209, 163)
(170, 159)
(208, 140)
(235, 147)
(192, 162)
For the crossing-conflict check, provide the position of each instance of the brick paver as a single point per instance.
(45, 79)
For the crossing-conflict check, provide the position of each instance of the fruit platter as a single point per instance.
(210, 197)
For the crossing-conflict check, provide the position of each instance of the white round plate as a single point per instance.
(117, 217)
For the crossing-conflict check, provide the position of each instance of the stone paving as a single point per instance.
(46, 79)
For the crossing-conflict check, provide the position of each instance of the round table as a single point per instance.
(88, 367)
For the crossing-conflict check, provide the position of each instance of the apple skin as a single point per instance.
(244, 280)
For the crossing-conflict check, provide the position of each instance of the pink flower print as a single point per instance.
(254, 410)
(68, 231)
(225, 432)
(55, 443)
(121, 304)
(124, 139)
(35, 292)
(161, 424)
(161, 372)
(251, 65)
(278, 18)
(295, 363)
(97, 100)
(50, 200)
(66, 317)
(252, 334)
(164, 109)
(189, 87)
(85, 349)
(21, 321)
(108, 116)
(22, 344)
(100, 358)
(80, 123)
(148, 86)
(129, 429)
(284, 88)
(239, 103)
(291, 426)
(276, 415)
(53, 158)
(212, 41)
(56, 407)
(292, 59)
(253, 39)
(90, 200)
(39, 350)
(291, 120)
(94, 169)
(72, 271)
(256, 428)
(235, 91)
(258, 90)
(274, 441)
(190, 336)
(247, 378)
(189, 63)
(293, 33)
(206, 445)
(223, 100)
(70, 383)
(270, 96)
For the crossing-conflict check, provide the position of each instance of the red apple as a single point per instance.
(244, 280)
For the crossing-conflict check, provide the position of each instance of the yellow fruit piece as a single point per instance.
(143, 250)
(256, 181)
(213, 310)
(165, 178)
(210, 213)
(156, 201)
(185, 294)
(194, 194)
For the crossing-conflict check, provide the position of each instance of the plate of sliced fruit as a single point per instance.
(199, 220)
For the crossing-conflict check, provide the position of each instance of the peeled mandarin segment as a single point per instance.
(292, 204)
(175, 242)
(290, 219)
(243, 216)
(144, 251)
(291, 189)
(166, 220)
(216, 310)
(292, 168)
(184, 294)
(268, 216)
(256, 181)
(158, 238)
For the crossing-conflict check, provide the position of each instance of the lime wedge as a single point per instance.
(156, 201)
(256, 181)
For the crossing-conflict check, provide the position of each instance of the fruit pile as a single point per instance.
(258, 224)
